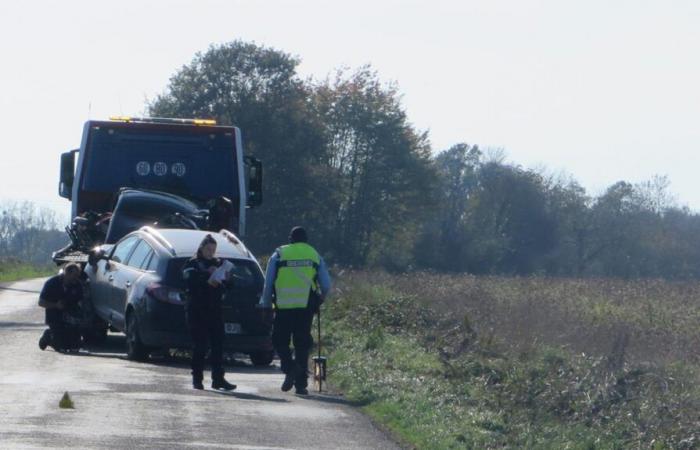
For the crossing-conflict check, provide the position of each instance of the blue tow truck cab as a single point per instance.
(193, 161)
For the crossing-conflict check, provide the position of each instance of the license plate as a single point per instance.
(232, 328)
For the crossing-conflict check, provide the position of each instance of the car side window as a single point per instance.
(123, 248)
(152, 263)
(139, 255)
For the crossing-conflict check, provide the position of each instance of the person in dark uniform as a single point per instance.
(221, 214)
(298, 280)
(61, 297)
(204, 315)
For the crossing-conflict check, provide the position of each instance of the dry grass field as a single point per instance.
(456, 361)
(11, 270)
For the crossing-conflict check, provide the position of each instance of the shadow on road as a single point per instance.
(114, 347)
(327, 398)
(111, 347)
(30, 291)
(21, 325)
(248, 396)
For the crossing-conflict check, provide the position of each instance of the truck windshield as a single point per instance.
(194, 163)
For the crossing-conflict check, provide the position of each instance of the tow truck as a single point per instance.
(132, 171)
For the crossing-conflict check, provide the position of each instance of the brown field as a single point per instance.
(457, 361)
(640, 321)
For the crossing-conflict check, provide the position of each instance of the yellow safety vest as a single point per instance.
(296, 275)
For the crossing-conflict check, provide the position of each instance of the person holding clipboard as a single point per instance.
(204, 276)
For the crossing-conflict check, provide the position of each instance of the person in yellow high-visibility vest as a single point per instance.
(297, 281)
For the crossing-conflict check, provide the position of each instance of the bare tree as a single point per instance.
(26, 230)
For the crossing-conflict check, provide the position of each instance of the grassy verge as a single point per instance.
(13, 271)
(445, 376)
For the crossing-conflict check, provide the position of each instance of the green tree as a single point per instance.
(569, 206)
(444, 243)
(257, 89)
(382, 164)
(509, 220)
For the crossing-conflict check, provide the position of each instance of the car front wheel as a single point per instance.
(135, 349)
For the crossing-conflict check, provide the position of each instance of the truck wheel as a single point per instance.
(262, 359)
(135, 350)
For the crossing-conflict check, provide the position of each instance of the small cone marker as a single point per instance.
(66, 402)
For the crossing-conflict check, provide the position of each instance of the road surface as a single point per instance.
(125, 404)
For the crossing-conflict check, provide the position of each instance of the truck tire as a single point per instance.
(135, 349)
(262, 358)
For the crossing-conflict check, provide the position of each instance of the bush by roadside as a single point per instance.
(12, 270)
(484, 371)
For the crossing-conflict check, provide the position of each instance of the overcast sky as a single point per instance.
(602, 90)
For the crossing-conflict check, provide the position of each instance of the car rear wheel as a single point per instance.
(135, 349)
(263, 358)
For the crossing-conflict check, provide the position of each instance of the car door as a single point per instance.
(100, 288)
(130, 275)
(115, 279)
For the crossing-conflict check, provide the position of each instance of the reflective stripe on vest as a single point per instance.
(296, 275)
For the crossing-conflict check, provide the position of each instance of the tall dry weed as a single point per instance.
(652, 321)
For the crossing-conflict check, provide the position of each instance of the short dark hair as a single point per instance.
(298, 234)
(71, 267)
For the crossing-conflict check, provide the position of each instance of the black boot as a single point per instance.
(288, 382)
(221, 383)
(290, 378)
(301, 390)
(45, 339)
(197, 381)
(301, 383)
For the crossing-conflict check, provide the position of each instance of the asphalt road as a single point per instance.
(124, 404)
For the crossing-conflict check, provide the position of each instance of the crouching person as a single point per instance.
(60, 297)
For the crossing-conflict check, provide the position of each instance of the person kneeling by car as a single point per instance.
(204, 315)
(61, 297)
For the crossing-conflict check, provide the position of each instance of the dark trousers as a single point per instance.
(207, 332)
(63, 336)
(294, 325)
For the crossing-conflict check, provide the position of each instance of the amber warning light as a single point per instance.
(163, 120)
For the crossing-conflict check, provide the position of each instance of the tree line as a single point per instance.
(29, 233)
(342, 158)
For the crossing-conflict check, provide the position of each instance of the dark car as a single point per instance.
(137, 288)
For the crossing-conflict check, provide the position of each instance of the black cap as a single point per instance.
(298, 234)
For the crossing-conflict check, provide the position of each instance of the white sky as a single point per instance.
(603, 90)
